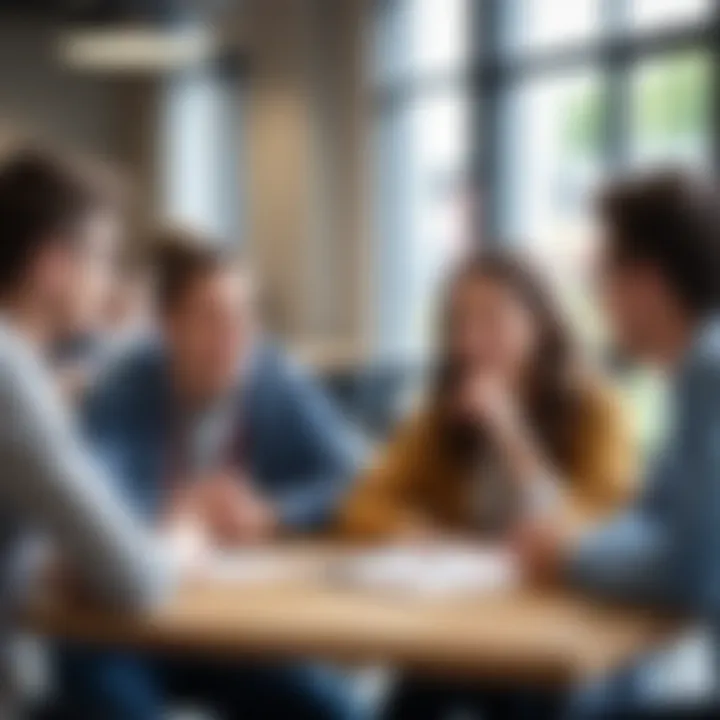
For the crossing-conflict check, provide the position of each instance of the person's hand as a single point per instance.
(486, 401)
(183, 528)
(184, 508)
(417, 531)
(542, 547)
(233, 512)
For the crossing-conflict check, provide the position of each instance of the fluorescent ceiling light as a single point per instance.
(135, 49)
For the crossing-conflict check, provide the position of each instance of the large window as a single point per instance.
(522, 108)
(572, 91)
(199, 155)
(423, 150)
(525, 105)
(670, 101)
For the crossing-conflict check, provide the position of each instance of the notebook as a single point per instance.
(430, 571)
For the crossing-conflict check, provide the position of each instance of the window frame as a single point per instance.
(614, 54)
(490, 71)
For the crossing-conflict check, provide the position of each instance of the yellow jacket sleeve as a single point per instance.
(387, 500)
(413, 488)
(603, 465)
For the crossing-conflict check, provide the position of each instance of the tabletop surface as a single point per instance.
(548, 636)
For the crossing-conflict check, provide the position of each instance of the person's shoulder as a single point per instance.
(13, 350)
(273, 357)
(599, 403)
(597, 392)
(420, 428)
(698, 378)
(273, 366)
(22, 366)
(704, 356)
(22, 369)
(695, 390)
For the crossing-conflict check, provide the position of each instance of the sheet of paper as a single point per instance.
(430, 571)
(257, 566)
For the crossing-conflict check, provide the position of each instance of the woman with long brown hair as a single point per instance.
(516, 427)
(516, 424)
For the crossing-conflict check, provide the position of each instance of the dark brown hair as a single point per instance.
(179, 259)
(552, 388)
(671, 220)
(44, 197)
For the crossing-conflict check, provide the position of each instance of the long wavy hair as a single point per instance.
(550, 394)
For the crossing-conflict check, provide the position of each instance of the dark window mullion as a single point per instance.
(617, 117)
(626, 49)
(487, 100)
(715, 80)
(405, 90)
(616, 87)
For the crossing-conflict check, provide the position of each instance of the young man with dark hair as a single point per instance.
(209, 421)
(56, 225)
(660, 285)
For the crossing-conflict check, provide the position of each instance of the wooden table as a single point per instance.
(536, 636)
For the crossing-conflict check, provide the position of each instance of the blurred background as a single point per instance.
(352, 148)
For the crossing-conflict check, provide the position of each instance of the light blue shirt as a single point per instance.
(665, 549)
(50, 484)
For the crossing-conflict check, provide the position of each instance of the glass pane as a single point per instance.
(552, 152)
(418, 37)
(662, 14)
(423, 150)
(552, 161)
(542, 24)
(671, 110)
(193, 151)
(441, 34)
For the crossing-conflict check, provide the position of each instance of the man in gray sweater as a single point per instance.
(58, 227)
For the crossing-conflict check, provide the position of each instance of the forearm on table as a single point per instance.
(114, 555)
(64, 492)
(626, 559)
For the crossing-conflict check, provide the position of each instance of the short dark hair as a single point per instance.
(672, 220)
(44, 196)
(181, 257)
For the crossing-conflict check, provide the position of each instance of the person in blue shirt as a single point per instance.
(660, 286)
(212, 425)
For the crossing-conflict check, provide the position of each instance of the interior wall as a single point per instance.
(105, 116)
(301, 155)
(304, 135)
(340, 259)
(279, 152)
(40, 98)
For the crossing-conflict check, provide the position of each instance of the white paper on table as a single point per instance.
(430, 571)
(254, 566)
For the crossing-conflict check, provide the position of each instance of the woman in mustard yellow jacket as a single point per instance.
(516, 424)
(516, 427)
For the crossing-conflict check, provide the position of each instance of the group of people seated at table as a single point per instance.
(200, 432)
